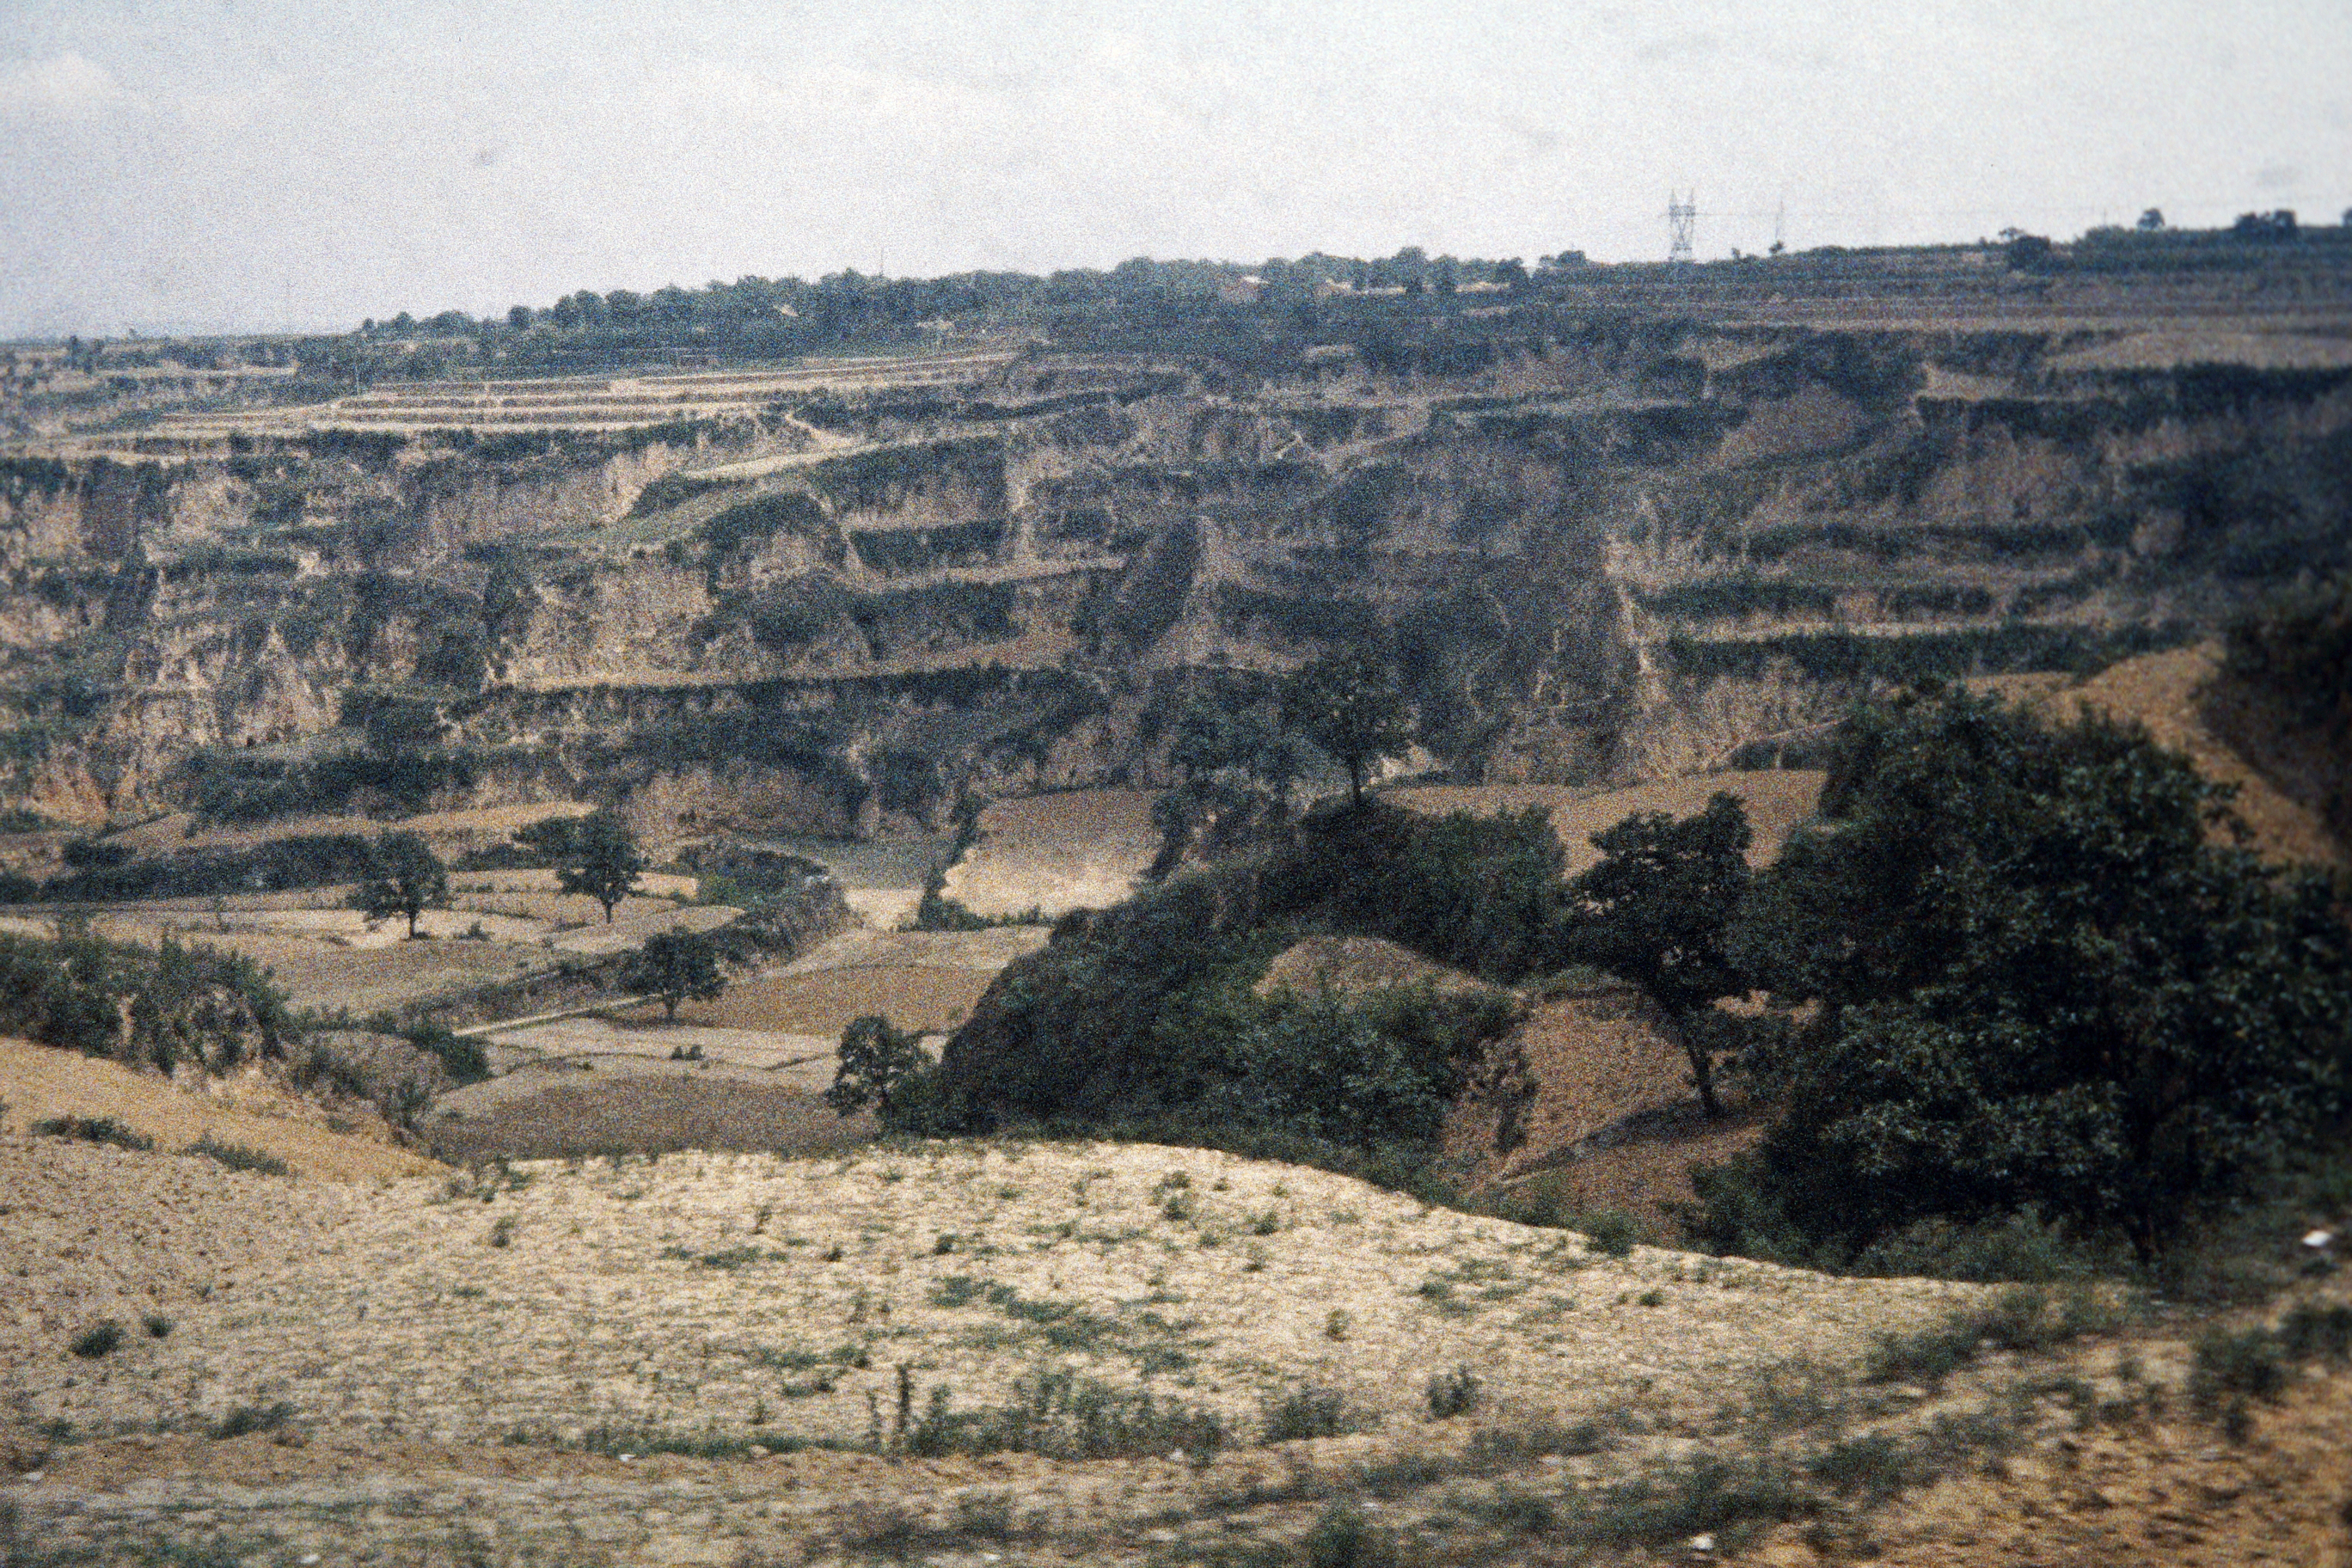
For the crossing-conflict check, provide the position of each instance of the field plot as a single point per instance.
(925, 981)
(585, 402)
(757, 1059)
(647, 1112)
(1055, 853)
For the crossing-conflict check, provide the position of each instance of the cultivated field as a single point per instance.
(585, 402)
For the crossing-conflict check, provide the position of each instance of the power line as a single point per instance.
(1682, 216)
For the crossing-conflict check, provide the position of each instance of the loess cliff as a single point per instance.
(1607, 548)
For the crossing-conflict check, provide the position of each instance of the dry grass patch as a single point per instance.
(40, 1082)
(1581, 1063)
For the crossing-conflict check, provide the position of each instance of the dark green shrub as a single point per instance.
(244, 1420)
(672, 488)
(184, 1004)
(100, 1341)
(1704, 1495)
(2312, 1332)
(1309, 1412)
(1876, 1465)
(1061, 1416)
(879, 1064)
(93, 1130)
(1456, 1392)
(1611, 1233)
(1344, 1538)
(302, 860)
(2021, 1248)
(238, 1157)
(676, 966)
(2248, 1364)
(1655, 909)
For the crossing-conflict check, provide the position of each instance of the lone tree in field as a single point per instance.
(404, 877)
(876, 1062)
(1656, 910)
(676, 966)
(1347, 703)
(602, 861)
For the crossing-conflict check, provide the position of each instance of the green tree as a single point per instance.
(1347, 703)
(1655, 909)
(878, 1064)
(600, 859)
(404, 877)
(1238, 767)
(676, 966)
(2038, 980)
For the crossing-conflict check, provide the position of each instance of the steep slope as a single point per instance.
(1598, 549)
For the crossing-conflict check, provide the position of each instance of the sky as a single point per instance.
(251, 164)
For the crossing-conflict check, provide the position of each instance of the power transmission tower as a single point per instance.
(1682, 216)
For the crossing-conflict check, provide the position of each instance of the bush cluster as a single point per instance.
(158, 1007)
(1147, 1011)
(2033, 978)
(305, 860)
(230, 786)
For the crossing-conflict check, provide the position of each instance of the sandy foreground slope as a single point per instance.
(417, 1329)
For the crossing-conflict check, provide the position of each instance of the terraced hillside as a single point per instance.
(1597, 546)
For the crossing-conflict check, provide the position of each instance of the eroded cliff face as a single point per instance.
(1634, 554)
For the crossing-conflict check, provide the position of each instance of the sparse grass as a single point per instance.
(158, 1327)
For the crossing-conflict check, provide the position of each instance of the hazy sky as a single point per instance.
(259, 163)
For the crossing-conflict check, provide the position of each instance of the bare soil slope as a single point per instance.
(2167, 692)
(1055, 853)
(40, 1082)
(1583, 1063)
